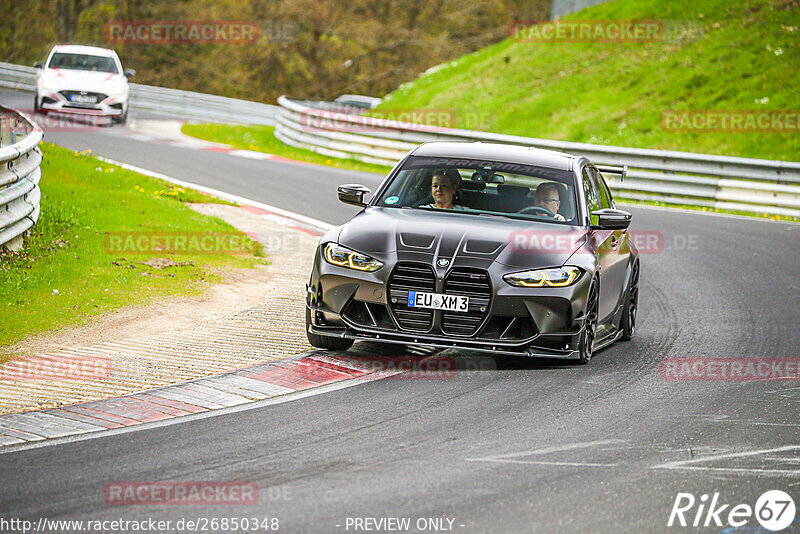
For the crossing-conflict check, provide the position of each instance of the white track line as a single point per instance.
(511, 458)
(690, 464)
(316, 223)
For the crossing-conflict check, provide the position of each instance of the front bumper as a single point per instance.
(443, 342)
(535, 322)
(55, 101)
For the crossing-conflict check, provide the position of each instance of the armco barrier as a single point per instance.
(185, 104)
(19, 176)
(750, 185)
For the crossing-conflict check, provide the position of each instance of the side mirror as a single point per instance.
(612, 219)
(39, 65)
(353, 194)
(129, 73)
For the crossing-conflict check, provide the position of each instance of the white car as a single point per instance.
(83, 80)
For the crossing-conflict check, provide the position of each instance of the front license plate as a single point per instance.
(83, 99)
(438, 301)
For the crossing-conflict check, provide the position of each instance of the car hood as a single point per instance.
(82, 80)
(422, 235)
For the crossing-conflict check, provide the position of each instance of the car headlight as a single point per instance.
(561, 277)
(47, 83)
(116, 89)
(336, 254)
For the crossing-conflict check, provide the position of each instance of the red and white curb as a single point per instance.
(240, 387)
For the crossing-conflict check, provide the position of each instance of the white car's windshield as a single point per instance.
(483, 187)
(83, 62)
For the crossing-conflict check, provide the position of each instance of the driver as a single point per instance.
(548, 197)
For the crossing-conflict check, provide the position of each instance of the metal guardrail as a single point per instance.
(749, 185)
(185, 104)
(19, 176)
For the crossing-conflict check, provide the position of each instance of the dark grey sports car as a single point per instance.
(501, 248)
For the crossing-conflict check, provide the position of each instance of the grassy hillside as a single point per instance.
(716, 54)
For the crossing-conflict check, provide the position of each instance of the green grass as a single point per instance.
(736, 55)
(262, 139)
(66, 275)
(785, 218)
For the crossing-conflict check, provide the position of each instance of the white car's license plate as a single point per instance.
(84, 99)
(438, 301)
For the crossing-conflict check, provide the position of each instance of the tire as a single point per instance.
(36, 107)
(326, 342)
(589, 333)
(122, 119)
(628, 323)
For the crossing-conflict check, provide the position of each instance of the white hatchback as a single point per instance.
(83, 80)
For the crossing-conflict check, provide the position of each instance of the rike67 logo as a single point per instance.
(774, 510)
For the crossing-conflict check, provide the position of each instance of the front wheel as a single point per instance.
(628, 323)
(586, 345)
(122, 119)
(36, 107)
(325, 342)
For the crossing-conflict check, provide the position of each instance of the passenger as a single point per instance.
(446, 191)
(548, 196)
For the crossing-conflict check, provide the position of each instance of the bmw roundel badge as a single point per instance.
(443, 262)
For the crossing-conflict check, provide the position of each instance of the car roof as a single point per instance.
(497, 152)
(88, 50)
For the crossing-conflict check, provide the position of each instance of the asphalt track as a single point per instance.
(501, 445)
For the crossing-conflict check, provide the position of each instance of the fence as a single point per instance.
(684, 178)
(175, 102)
(19, 176)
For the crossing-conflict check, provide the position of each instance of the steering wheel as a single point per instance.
(537, 210)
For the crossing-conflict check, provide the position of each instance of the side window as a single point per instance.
(590, 194)
(606, 200)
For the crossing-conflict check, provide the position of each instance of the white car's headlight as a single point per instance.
(336, 254)
(561, 277)
(47, 83)
(116, 89)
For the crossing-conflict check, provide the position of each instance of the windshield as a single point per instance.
(483, 187)
(83, 62)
